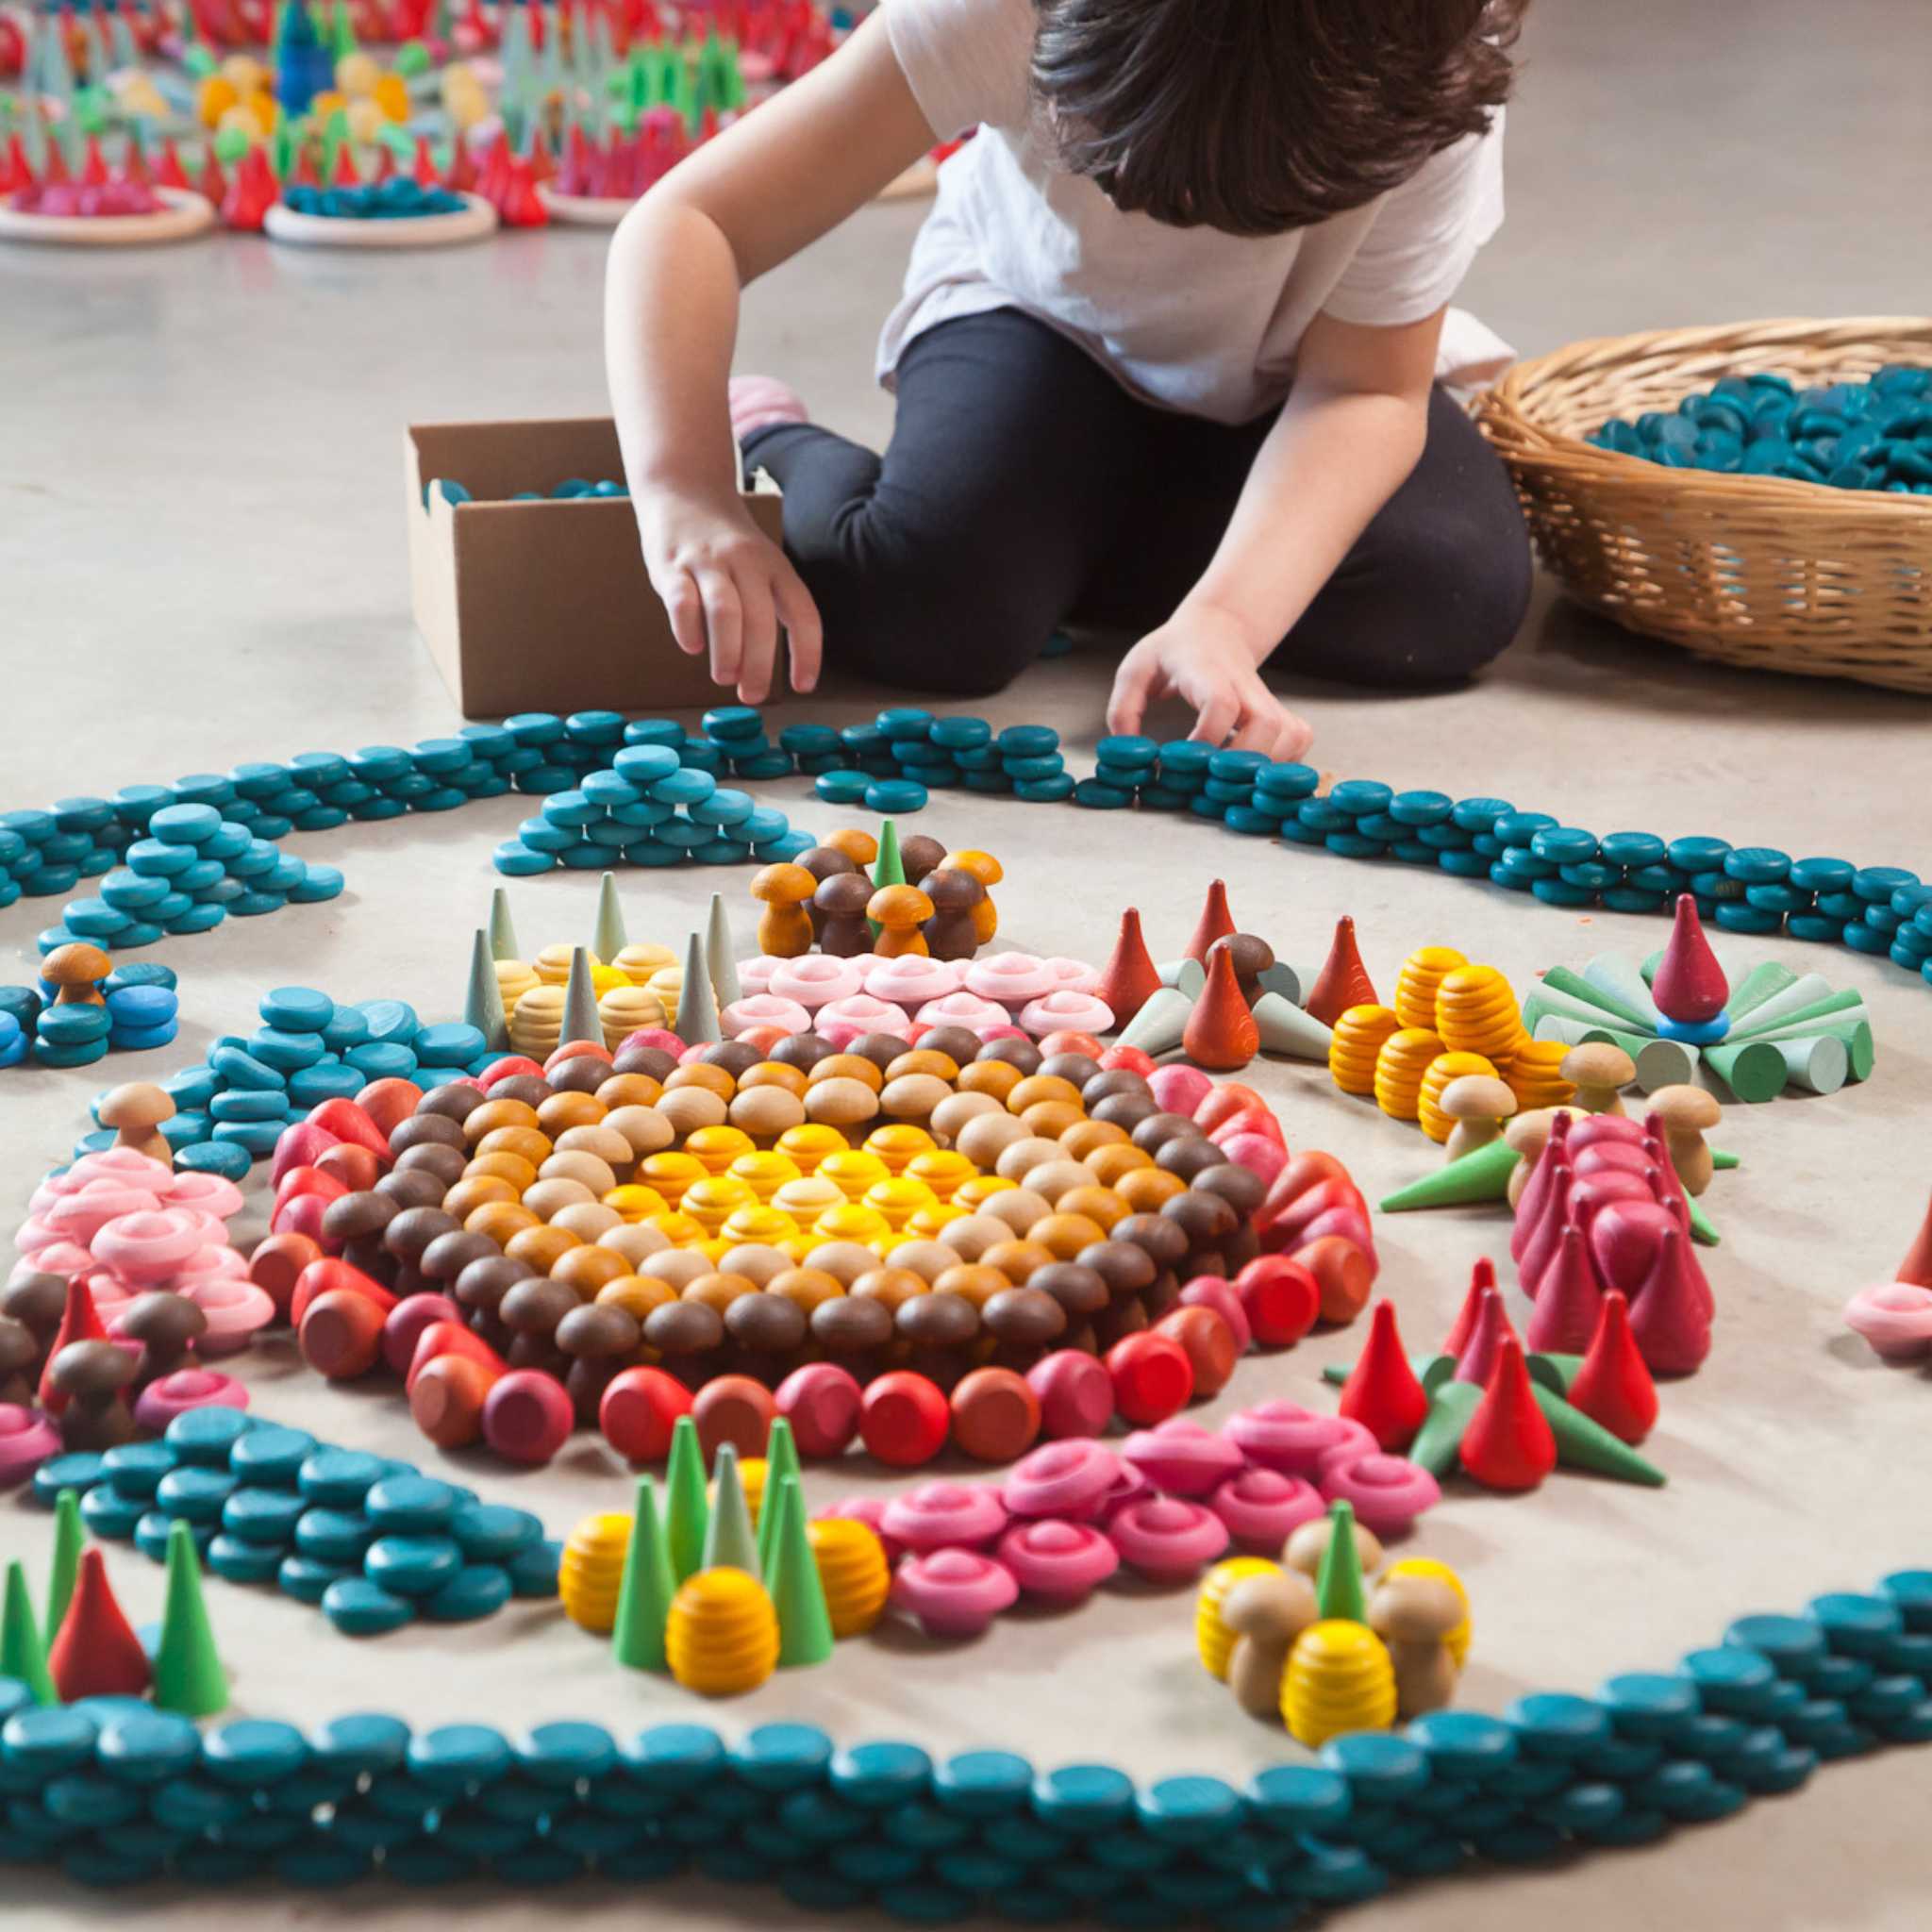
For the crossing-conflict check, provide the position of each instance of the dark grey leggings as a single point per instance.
(1024, 488)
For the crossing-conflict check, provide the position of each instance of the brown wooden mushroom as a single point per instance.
(20, 1360)
(93, 1376)
(167, 1326)
(135, 1113)
(785, 928)
(1413, 1615)
(1252, 957)
(823, 862)
(1478, 1103)
(1598, 1069)
(1686, 1114)
(951, 933)
(1267, 1614)
(38, 1299)
(840, 903)
(77, 968)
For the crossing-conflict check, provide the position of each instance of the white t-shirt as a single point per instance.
(1193, 319)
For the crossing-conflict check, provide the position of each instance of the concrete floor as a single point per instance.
(204, 560)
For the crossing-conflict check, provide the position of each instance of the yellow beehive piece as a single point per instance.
(1420, 981)
(668, 984)
(721, 1639)
(900, 1145)
(1399, 1068)
(592, 1570)
(552, 964)
(625, 1008)
(853, 1571)
(759, 1223)
(942, 1170)
(973, 1195)
(718, 1147)
(1339, 1680)
(928, 1222)
(853, 1171)
(1357, 1039)
(809, 1142)
(670, 1173)
(764, 1174)
(1444, 1067)
(851, 1222)
(1213, 1640)
(899, 1200)
(1457, 1638)
(514, 979)
(1533, 1075)
(711, 1201)
(1477, 1012)
(638, 962)
(536, 1027)
(807, 1198)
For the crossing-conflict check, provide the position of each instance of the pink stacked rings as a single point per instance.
(1061, 1562)
(1069, 1479)
(911, 979)
(1072, 975)
(1012, 978)
(817, 979)
(943, 1516)
(1895, 1318)
(1388, 1492)
(1067, 1012)
(1167, 1538)
(763, 1010)
(987, 1018)
(1181, 1458)
(162, 1400)
(26, 1440)
(150, 1246)
(845, 1020)
(954, 1592)
(1262, 1507)
(1286, 1437)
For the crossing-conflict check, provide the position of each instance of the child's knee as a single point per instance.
(1457, 589)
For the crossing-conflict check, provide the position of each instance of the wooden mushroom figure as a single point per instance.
(1599, 1070)
(1309, 1544)
(39, 1300)
(93, 1376)
(1686, 1114)
(1478, 1103)
(901, 912)
(989, 872)
(950, 933)
(1414, 1616)
(1252, 957)
(77, 968)
(1528, 1133)
(20, 1357)
(785, 928)
(823, 861)
(166, 1326)
(838, 908)
(1266, 1614)
(919, 855)
(135, 1113)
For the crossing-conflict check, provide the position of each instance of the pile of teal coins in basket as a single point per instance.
(1873, 435)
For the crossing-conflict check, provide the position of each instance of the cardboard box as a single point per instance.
(540, 607)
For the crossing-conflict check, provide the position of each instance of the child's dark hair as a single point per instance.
(1258, 116)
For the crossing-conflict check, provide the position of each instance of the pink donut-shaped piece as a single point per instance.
(149, 1247)
(126, 1164)
(1129, 1487)
(212, 1262)
(1388, 1492)
(1059, 1561)
(870, 1510)
(843, 1021)
(1072, 975)
(911, 979)
(967, 1010)
(46, 1196)
(1068, 1478)
(816, 979)
(1179, 1089)
(1012, 978)
(1167, 1538)
(1286, 1437)
(63, 1258)
(1066, 1011)
(34, 1236)
(161, 1401)
(1181, 1458)
(212, 1193)
(944, 1516)
(754, 975)
(26, 1440)
(235, 1307)
(1262, 1507)
(954, 1592)
(762, 1010)
(1895, 1318)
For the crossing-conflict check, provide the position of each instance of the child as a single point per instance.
(1165, 361)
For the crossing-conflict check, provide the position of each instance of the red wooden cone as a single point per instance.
(344, 175)
(1917, 1265)
(542, 166)
(1535, 1190)
(1344, 980)
(96, 1652)
(1221, 1033)
(1216, 921)
(385, 163)
(1569, 1301)
(80, 1321)
(93, 169)
(1482, 1281)
(1382, 1392)
(214, 181)
(1613, 1386)
(169, 171)
(1509, 1444)
(424, 173)
(1689, 984)
(304, 174)
(462, 167)
(1668, 1319)
(1491, 1330)
(1540, 1245)
(1129, 980)
(20, 171)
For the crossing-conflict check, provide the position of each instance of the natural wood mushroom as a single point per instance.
(77, 968)
(989, 872)
(135, 1113)
(1266, 1614)
(839, 906)
(1599, 1070)
(900, 911)
(1413, 1615)
(1686, 1114)
(950, 933)
(1529, 1133)
(785, 928)
(1478, 1103)
(20, 1356)
(37, 1298)
(1309, 1544)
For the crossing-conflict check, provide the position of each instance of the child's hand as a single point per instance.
(727, 588)
(1207, 658)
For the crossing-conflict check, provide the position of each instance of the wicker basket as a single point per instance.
(1758, 571)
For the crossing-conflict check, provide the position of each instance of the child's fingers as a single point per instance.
(759, 644)
(723, 623)
(1217, 717)
(803, 631)
(1133, 690)
(686, 611)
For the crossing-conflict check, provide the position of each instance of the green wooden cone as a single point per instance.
(1582, 1443)
(1852, 1029)
(1753, 1070)
(1765, 979)
(1619, 1006)
(189, 1676)
(889, 868)
(22, 1653)
(730, 1542)
(483, 1002)
(1724, 1161)
(1337, 1374)
(686, 1511)
(1807, 997)
(1554, 1016)
(1571, 995)
(1816, 1063)
(503, 935)
(644, 1597)
(1482, 1175)
(1441, 1435)
(608, 937)
(781, 1459)
(1190, 977)
(805, 1624)
(697, 1004)
(721, 954)
(1287, 1029)
(1564, 1366)
(1339, 1587)
(1702, 1227)
(1665, 1063)
(580, 1021)
(69, 1537)
(1157, 1028)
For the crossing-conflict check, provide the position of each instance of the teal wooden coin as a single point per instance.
(111, 1515)
(888, 796)
(207, 1437)
(532, 1570)
(411, 1565)
(193, 1494)
(782, 1757)
(253, 1752)
(135, 1469)
(452, 1757)
(476, 1591)
(238, 1561)
(360, 1608)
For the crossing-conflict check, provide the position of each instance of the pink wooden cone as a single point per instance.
(1477, 1360)
(1536, 1192)
(1668, 1319)
(1570, 1303)
(1541, 1248)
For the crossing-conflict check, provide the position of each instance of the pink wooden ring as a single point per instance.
(126, 1164)
(754, 974)
(149, 1247)
(1012, 978)
(1262, 1507)
(26, 1440)
(1388, 1492)
(1181, 1459)
(954, 1592)
(941, 1516)
(1168, 1540)
(1286, 1437)
(911, 979)
(762, 1010)
(870, 1510)
(235, 1307)
(1073, 975)
(1895, 1318)
(80, 1216)
(845, 1020)
(161, 1401)
(1059, 1561)
(817, 979)
(967, 1010)
(1068, 1478)
(1063, 1012)
(213, 1193)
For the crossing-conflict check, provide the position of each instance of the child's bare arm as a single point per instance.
(1349, 434)
(743, 203)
